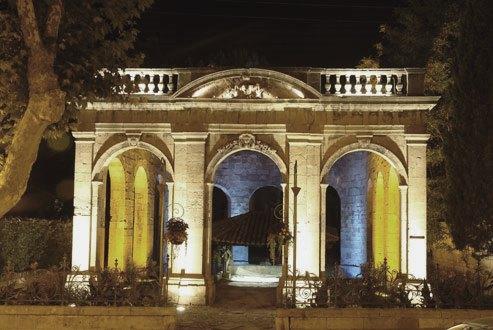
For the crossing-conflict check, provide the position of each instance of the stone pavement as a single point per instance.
(210, 317)
(236, 307)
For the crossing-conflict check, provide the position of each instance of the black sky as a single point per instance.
(323, 33)
(179, 33)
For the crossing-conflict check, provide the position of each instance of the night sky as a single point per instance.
(270, 33)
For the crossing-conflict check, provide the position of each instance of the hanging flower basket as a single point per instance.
(176, 231)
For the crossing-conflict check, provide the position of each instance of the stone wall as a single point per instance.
(349, 176)
(369, 192)
(63, 317)
(374, 318)
(240, 175)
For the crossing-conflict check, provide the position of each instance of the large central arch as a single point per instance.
(245, 141)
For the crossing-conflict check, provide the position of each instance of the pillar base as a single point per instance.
(188, 290)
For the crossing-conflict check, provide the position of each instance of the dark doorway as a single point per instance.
(333, 228)
(264, 199)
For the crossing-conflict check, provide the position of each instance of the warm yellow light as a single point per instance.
(116, 246)
(392, 222)
(142, 244)
(378, 221)
(384, 200)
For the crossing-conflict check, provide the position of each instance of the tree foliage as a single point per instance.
(469, 141)
(51, 62)
(437, 35)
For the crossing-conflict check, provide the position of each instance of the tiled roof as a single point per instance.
(252, 228)
(249, 228)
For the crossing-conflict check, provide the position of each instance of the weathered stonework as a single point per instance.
(194, 119)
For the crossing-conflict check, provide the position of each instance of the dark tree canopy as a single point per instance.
(51, 62)
(469, 140)
(452, 40)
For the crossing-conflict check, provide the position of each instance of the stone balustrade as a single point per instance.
(328, 81)
(368, 82)
(142, 81)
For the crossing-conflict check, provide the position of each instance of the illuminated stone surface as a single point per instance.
(239, 176)
(195, 118)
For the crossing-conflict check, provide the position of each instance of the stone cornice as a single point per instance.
(156, 128)
(252, 128)
(329, 103)
(364, 129)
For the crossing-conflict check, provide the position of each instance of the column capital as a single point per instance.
(97, 183)
(324, 185)
(302, 138)
(403, 188)
(84, 137)
(189, 137)
(417, 139)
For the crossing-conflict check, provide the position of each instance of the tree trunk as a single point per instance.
(45, 105)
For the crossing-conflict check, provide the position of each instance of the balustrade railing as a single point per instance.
(338, 82)
(379, 82)
(150, 81)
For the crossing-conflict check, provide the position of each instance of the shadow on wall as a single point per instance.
(362, 207)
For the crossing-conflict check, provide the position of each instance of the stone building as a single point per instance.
(357, 136)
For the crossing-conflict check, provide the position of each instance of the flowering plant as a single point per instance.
(176, 231)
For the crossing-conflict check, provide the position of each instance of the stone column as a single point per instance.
(101, 219)
(404, 229)
(208, 229)
(210, 287)
(416, 154)
(168, 214)
(97, 216)
(161, 191)
(186, 283)
(323, 224)
(285, 215)
(81, 230)
(306, 151)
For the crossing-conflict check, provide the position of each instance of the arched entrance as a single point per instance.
(135, 204)
(368, 190)
(249, 182)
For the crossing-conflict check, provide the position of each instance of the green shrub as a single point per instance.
(24, 241)
(63, 286)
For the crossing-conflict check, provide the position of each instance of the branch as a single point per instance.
(29, 25)
(53, 23)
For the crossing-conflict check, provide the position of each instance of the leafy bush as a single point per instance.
(374, 287)
(377, 287)
(453, 289)
(24, 241)
(61, 286)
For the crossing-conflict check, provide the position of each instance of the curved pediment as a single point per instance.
(247, 84)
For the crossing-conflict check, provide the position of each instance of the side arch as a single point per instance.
(120, 147)
(385, 153)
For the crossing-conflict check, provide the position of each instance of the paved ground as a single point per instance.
(236, 307)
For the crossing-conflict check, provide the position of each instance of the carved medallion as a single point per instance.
(246, 141)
